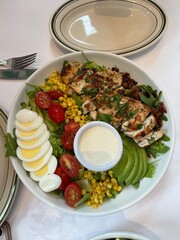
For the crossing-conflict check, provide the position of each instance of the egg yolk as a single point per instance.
(27, 134)
(35, 163)
(26, 124)
(29, 143)
(30, 153)
(42, 171)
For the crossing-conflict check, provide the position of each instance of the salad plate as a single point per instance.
(129, 195)
(116, 26)
(9, 180)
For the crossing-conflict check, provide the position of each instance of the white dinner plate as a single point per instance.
(8, 179)
(129, 195)
(117, 26)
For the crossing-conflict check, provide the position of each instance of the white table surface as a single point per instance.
(24, 29)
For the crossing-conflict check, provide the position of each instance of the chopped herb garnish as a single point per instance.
(123, 107)
(131, 114)
(92, 91)
(140, 126)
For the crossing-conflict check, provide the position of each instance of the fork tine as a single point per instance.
(24, 58)
(25, 63)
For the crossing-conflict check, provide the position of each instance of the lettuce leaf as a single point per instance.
(11, 145)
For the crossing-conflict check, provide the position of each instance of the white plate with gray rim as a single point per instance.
(117, 26)
(9, 181)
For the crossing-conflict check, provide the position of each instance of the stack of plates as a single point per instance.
(8, 178)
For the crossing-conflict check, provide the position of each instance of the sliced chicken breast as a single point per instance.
(149, 138)
(144, 128)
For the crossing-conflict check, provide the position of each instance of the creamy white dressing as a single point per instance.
(98, 145)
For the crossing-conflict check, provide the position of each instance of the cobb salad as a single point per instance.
(81, 92)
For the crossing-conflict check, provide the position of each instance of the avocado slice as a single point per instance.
(130, 162)
(145, 162)
(138, 167)
(141, 166)
(121, 166)
(126, 163)
(133, 164)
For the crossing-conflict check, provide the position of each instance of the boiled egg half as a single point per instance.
(35, 150)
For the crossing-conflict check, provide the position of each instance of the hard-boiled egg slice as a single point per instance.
(30, 155)
(50, 182)
(49, 168)
(34, 143)
(26, 127)
(26, 116)
(39, 163)
(31, 135)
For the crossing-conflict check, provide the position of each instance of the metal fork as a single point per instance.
(19, 62)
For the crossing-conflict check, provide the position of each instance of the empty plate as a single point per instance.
(116, 26)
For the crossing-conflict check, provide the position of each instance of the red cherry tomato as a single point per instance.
(67, 140)
(64, 178)
(42, 100)
(70, 165)
(56, 112)
(72, 126)
(72, 194)
(55, 94)
(68, 135)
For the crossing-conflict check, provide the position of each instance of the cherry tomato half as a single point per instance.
(55, 94)
(72, 194)
(67, 140)
(42, 100)
(56, 112)
(70, 165)
(64, 178)
(72, 126)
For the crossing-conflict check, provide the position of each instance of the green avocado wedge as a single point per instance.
(121, 167)
(129, 180)
(133, 164)
(142, 165)
(130, 162)
(126, 164)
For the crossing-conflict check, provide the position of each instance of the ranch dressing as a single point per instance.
(98, 145)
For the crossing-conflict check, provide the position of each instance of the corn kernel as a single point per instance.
(113, 180)
(110, 172)
(89, 203)
(83, 191)
(95, 205)
(109, 186)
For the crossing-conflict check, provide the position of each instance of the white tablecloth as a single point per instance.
(24, 29)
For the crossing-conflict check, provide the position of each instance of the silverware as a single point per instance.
(5, 231)
(16, 74)
(18, 62)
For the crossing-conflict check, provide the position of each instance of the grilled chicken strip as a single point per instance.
(145, 128)
(149, 138)
(137, 113)
(88, 106)
(69, 70)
